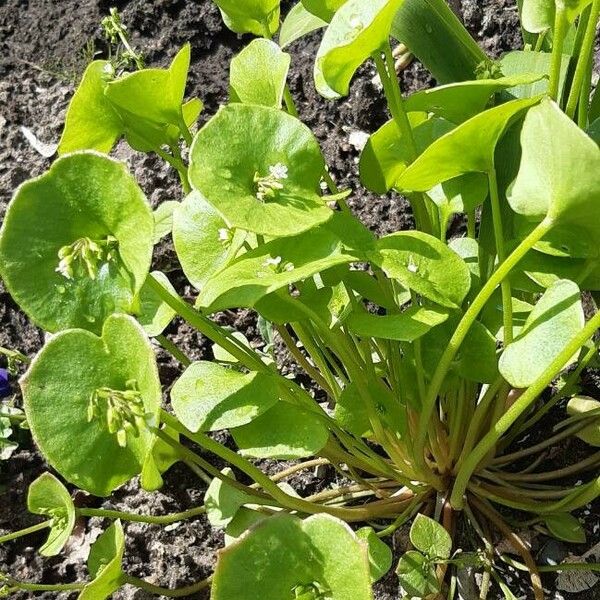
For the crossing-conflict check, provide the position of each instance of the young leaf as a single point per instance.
(462, 194)
(357, 30)
(105, 564)
(458, 102)
(76, 243)
(470, 147)
(155, 314)
(555, 319)
(324, 9)
(579, 405)
(430, 537)
(67, 390)
(538, 16)
(260, 168)
(163, 219)
(417, 575)
(159, 460)
(425, 265)
(285, 432)
(48, 496)
(566, 527)
(91, 123)
(351, 412)
(209, 397)
(298, 23)
(154, 95)
(558, 175)
(258, 74)
(246, 570)
(406, 326)
(260, 17)
(223, 501)
(380, 554)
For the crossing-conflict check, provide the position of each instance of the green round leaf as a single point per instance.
(579, 405)
(357, 30)
(430, 537)
(284, 431)
(380, 554)
(105, 564)
(58, 388)
(209, 397)
(203, 242)
(425, 265)
(86, 200)
(260, 17)
(155, 314)
(48, 496)
(298, 23)
(417, 575)
(285, 557)
(260, 168)
(223, 501)
(566, 527)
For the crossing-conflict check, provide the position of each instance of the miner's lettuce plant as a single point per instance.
(429, 358)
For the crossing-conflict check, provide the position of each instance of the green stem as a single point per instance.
(560, 31)
(172, 349)
(463, 328)
(161, 591)
(521, 404)
(178, 165)
(290, 105)
(584, 59)
(33, 529)
(136, 518)
(41, 587)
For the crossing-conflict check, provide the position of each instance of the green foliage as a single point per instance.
(298, 23)
(566, 527)
(260, 17)
(579, 406)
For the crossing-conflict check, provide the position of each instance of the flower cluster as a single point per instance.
(267, 186)
(87, 255)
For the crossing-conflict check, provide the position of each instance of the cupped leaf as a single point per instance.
(105, 564)
(284, 432)
(260, 17)
(579, 405)
(324, 9)
(357, 30)
(425, 265)
(468, 148)
(154, 95)
(209, 397)
(417, 575)
(558, 176)
(223, 501)
(298, 23)
(430, 537)
(91, 121)
(76, 243)
(203, 241)
(260, 168)
(258, 74)
(380, 554)
(554, 320)
(566, 527)
(274, 265)
(458, 102)
(48, 496)
(272, 561)
(155, 314)
(90, 401)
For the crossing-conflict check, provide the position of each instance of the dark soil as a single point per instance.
(44, 46)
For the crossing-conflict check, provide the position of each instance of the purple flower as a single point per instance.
(5, 389)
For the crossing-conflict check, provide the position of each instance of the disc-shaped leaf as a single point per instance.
(209, 397)
(58, 390)
(258, 74)
(566, 527)
(356, 30)
(260, 17)
(417, 575)
(155, 314)
(223, 501)
(105, 564)
(430, 537)
(468, 148)
(203, 241)
(48, 496)
(89, 209)
(425, 265)
(380, 554)
(406, 326)
(458, 102)
(260, 168)
(285, 557)
(298, 23)
(554, 320)
(283, 432)
(579, 405)
(558, 176)
(272, 266)
(154, 95)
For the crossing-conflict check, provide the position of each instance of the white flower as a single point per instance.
(272, 262)
(224, 234)
(278, 171)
